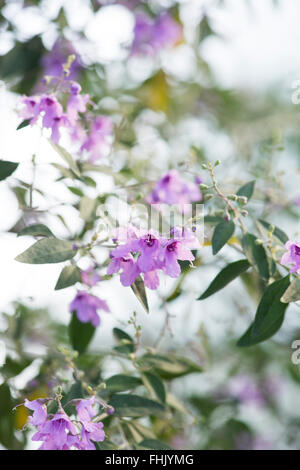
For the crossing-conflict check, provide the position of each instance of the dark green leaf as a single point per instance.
(222, 233)
(156, 386)
(121, 383)
(7, 168)
(247, 190)
(47, 250)
(256, 255)
(269, 315)
(80, 334)
(139, 290)
(68, 277)
(36, 230)
(135, 406)
(124, 340)
(24, 123)
(278, 233)
(228, 274)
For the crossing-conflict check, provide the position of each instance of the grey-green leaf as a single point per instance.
(122, 383)
(47, 250)
(278, 233)
(225, 276)
(269, 315)
(7, 168)
(155, 385)
(68, 277)
(135, 406)
(36, 230)
(247, 190)
(256, 255)
(222, 233)
(139, 290)
(292, 294)
(67, 157)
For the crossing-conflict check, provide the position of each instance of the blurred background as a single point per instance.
(223, 91)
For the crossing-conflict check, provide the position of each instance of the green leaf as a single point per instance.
(169, 367)
(7, 168)
(269, 315)
(139, 290)
(124, 340)
(135, 406)
(247, 190)
(155, 385)
(121, 383)
(24, 123)
(87, 207)
(278, 233)
(225, 276)
(76, 191)
(67, 157)
(292, 294)
(80, 334)
(154, 444)
(256, 255)
(47, 250)
(106, 445)
(68, 277)
(36, 230)
(222, 233)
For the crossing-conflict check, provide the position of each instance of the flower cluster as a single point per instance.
(145, 252)
(152, 35)
(59, 431)
(172, 189)
(95, 141)
(292, 256)
(85, 304)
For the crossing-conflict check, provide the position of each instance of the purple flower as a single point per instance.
(90, 277)
(90, 430)
(39, 411)
(98, 139)
(76, 103)
(246, 390)
(56, 433)
(150, 36)
(31, 109)
(292, 256)
(172, 189)
(86, 305)
(152, 253)
(54, 60)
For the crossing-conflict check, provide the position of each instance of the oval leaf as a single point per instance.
(121, 383)
(228, 274)
(247, 190)
(135, 406)
(36, 230)
(47, 250)
(155, 385)
(80, 334)
(68, 277)
(269, 315)
(7, 168)
(256, 255)
(139, 290)
(223, 231)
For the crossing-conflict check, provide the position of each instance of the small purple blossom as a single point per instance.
(150, 36)
(99, 138)
(86, 305)
(292, 256)
(76, 103)
(54, 60)
(60, 432)
(172, 189)
(90, 277)
(145, 252)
